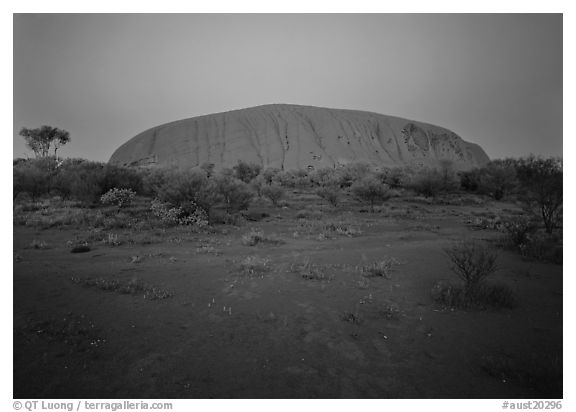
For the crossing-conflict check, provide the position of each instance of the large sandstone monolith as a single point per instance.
(297, 137)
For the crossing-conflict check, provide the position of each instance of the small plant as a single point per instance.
(118, 197)
(274, 193)
(112, 240)
(382, 268)
(132, 287)
(390, 312)
(254, 266)
(352, 317)
(80, 249)
(38, 244)
(255, 237)
(330, 193)
(472, 262)
(518, 231)
(310, 271)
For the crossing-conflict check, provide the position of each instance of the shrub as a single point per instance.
(274, 193)
(30, 177)
(470, 180)
(118, 197)
(122, 178)
(177, 216)
(370, 190)
(496, 296)
(353, 172)
(80, 179)
(254, 266)
(330, 193)
(496, 179)
(235, 193)
(541, 188)
(245, 171)
(325, 177)
(544, 247)
(472, 262)
(427, 182)
(518, 231)
(395, 177)
(255, 237)
(186, 190)
(381, 268)
(270, 175)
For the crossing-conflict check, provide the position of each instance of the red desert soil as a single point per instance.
(278, 334)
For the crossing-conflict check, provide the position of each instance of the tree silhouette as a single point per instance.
(40, 140)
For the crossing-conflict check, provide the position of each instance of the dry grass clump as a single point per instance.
(382, 268)
(254, 266)
(131, 287)
(255, 237)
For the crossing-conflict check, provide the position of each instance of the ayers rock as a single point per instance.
(297, 137)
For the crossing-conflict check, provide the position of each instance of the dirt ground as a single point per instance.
(306, 324)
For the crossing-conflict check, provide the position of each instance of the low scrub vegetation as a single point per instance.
(131, 287)
(473, 263)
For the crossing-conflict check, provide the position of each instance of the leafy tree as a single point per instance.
(245, 171)
(40, 140)
(496, 179)
(371, 190)
(274, 192)
(541, 183)
(235, 193)
(330, 193)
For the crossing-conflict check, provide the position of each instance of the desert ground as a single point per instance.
(280, 304)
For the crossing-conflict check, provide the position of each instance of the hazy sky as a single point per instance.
(495, 80)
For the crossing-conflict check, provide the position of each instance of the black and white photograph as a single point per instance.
(287, 206)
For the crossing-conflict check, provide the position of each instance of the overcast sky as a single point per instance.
(495, 80)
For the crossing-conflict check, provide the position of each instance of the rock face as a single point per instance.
(297, 137)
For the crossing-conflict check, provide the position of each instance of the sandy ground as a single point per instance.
(226, 333)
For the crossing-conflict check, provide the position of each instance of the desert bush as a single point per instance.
(245, 171)
(382, 268)
(330, 193)
(427, 182)
(234, 192)
(118, 197)
(518, 231)
(31, 177)
(131, 287)
(187, 190)
(496, 179)
(254, 266)
(353, 172)
(255, 237)
(80, 179)
(274, 193)
(544, 247)
(370, 190)
(270, 175)
(312, 271)
(170, 215)
(484, 296)
(472, 262)
(325, 177)
(122, 178)
(470, 180)
(541, 188)
(395, 177)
